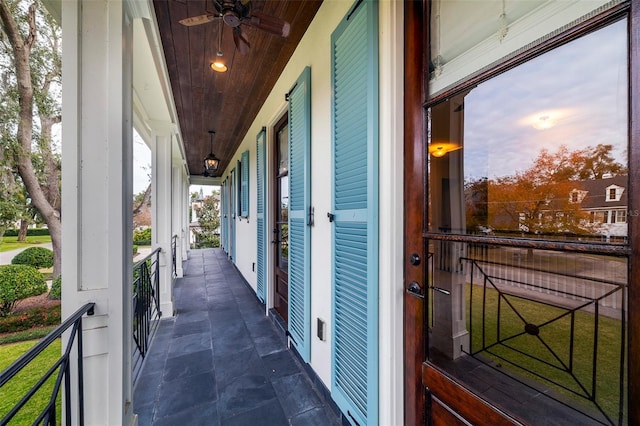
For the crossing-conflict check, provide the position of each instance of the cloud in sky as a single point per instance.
(581, 88)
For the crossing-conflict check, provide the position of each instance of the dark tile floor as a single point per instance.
(221, 361)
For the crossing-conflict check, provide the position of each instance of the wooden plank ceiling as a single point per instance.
(224, 102)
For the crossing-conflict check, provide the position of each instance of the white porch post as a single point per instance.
(185, 218)
(97, 178)
(178, 211)
(161, 152)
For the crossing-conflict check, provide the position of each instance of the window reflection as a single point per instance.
(539, 150)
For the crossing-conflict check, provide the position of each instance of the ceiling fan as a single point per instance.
(238, 12)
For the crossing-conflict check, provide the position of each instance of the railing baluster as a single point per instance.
(146, 306)
(48, 414)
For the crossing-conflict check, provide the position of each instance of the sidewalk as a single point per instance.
(6, 256)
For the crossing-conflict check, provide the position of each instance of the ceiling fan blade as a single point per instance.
(242, 44)
(270, 24)
(197, 20)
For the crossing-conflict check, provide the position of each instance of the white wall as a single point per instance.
(314, 51)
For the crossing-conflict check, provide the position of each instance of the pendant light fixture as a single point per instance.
(211, 162)
(218, 65)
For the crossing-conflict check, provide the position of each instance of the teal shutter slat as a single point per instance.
(355, 207)
(232, 212)
(299, 204)
(244, 185)
(261, 238)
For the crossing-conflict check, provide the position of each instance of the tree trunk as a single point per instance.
(22, 52)
(22, 234)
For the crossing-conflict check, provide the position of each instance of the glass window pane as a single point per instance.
(506, 156)
(468, 36)
(283, 150)
(538, 152)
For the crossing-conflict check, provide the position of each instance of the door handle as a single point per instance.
(415, 290)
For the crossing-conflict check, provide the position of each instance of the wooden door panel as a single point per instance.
(448, 395)
(443, 415)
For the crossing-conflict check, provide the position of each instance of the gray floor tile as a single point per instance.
(188, 365)
(200, 415)
(296, 394)
(268, 414)
(244, 394)
(186, 393)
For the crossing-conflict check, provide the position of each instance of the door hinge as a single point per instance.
(331, 217)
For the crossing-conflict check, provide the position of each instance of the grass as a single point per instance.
(541, 361)
(21, 336)
(19, 385)
(11, 243)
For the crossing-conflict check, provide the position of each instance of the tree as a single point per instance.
(31, 77)
(538, 199)
(598, 161)
(209, 219)
(142, 208)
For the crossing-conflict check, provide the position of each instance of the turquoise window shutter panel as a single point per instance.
(260, 218)
(354, 66)
(244, 185)
(299, 205)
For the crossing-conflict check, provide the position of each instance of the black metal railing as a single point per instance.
(61, 369)
(174, 256)
(562, 329)
(146, 306)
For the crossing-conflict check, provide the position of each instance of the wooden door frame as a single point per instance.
(275, 204)
(416, 34)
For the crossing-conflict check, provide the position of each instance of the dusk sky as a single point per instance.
(580, 87)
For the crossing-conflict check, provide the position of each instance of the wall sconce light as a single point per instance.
(211, 162)
(441, 149)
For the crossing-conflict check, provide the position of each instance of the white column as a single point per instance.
(185, 218)
(162, 138)
(176, 200)
(97, 201)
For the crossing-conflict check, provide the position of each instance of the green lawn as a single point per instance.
(11, 243)
(552, 346)
(15, 389)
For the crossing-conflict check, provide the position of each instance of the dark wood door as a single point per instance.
(470, 387)
(281, 215)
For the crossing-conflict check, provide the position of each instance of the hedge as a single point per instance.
(142, 237)
(37, 317)
(38, 257)
(56, 288)
(18, 282)
(31, 232)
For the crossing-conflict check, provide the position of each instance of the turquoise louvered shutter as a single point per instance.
(261, 229)
(355, 210)
(299, 205)
(244, 185)
(223, 229)
(232, 213)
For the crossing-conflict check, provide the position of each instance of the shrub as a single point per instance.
(31, 232)
(37, 317)
(56, 288)
(142, 237)
(38, 257)
(18, 282)
(135, 249)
